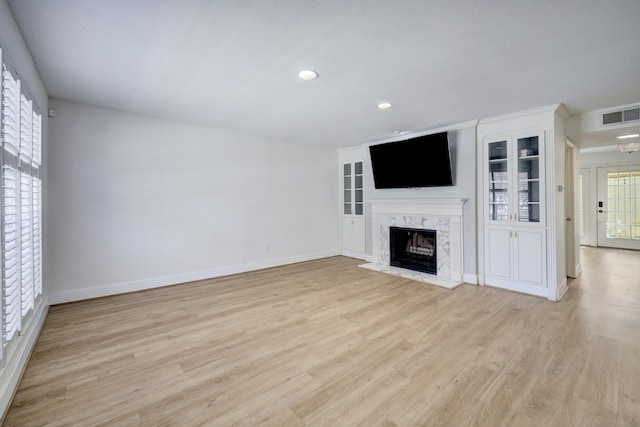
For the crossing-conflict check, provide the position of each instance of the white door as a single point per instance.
(618, 207)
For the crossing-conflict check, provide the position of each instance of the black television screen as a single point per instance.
(423, 161)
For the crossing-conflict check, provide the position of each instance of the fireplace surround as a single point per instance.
(442, 215)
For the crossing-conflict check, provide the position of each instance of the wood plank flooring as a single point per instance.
(325, 343)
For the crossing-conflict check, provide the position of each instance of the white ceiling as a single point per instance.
(233, 64)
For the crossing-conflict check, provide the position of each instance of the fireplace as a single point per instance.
(413, 249)
(444, 216)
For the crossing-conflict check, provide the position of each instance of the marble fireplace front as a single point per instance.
(442, 215)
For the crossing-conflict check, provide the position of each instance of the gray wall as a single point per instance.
(140, 202)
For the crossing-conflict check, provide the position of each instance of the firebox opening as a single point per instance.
(413, 249)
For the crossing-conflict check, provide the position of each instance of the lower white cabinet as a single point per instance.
(353, 232)
(515, 258)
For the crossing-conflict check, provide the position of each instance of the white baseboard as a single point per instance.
(578, 270)
(470, 278)
(158, 282)
(539, 291)
(11, 374)
(368, 258)
(562, 289)
(356, 255)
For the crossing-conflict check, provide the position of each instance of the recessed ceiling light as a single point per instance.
(308, 75)
(385, 105)
(635, 135)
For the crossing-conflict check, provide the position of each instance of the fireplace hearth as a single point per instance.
(413, 249)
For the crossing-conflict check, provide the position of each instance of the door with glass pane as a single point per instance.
(353, 225)
(618, 207)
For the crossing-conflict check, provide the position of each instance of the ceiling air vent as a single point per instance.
(624, 115)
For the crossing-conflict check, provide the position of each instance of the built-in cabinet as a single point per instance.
(352, 202)
(515, 248)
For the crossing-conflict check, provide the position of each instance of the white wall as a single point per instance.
(462, 143)
(14, 51)
(139, 202)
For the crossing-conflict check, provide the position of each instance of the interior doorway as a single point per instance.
(572, 209)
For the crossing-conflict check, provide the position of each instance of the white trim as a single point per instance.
(12, 372)
(158, 282)
(450, 207)
(471, 279)
(518, 287)
(562, 289)
(546, 109)
(416, 134)
(356, 255)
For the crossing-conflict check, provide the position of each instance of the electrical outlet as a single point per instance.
(267, 246)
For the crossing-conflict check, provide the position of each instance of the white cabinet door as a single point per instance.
(353, 232)
(529, 256)
(499, 251)
(353, 207)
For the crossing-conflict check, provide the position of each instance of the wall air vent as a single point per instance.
(623, 115)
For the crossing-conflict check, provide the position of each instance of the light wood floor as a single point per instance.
(328, 343)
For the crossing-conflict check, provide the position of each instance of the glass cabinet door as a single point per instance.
(498, 181)
(528, 156)
(358, 188)
(346, 176)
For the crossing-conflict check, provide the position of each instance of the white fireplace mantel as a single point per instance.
(443, 215)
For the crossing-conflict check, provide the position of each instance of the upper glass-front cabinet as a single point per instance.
(514, 175)
(498, 181)
(528, 179)
(353, 188)
(346, 182)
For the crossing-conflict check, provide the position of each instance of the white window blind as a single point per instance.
(37, 238)
(10, 112)
(10, 275)
(36, 137)
(20, 212)
(26, 242)
(26, 115)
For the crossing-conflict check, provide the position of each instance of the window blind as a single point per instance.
(10, 275)
(21, 206)
(26, 242)
(26, 116)
(37, 238)
(10, 112)
(36, 137)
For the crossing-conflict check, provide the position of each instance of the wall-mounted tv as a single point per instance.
(423, 161)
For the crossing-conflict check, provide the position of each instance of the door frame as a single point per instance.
(572, 209)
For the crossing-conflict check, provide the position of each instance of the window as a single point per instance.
(623, 193)
(20, 210)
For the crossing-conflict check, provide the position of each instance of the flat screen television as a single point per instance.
(423, 161)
